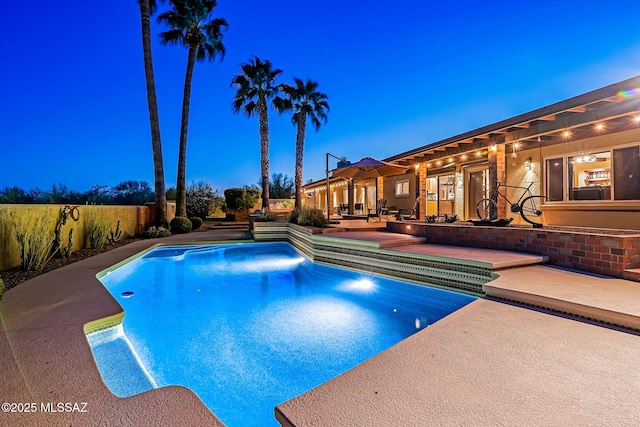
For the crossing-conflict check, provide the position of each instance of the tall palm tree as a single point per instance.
(305, 101)
(255, 87)
(191, 25)
(147, 7)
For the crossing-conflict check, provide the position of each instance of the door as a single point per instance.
(446, 195)
(477, 188)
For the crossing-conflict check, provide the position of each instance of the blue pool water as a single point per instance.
(249, 326)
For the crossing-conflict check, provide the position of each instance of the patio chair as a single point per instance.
(344, 208)
(412, 212)
(381, 209)
(358, 208)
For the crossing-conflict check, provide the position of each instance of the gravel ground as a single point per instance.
(15, 276)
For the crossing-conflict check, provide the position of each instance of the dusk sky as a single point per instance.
(398, 74)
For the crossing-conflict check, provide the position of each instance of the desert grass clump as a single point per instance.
(98, 228)
(33, 233)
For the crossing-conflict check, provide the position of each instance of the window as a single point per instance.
(590, 176)
(605, 175)
(402, 188)
(626, 173)
(555, 187)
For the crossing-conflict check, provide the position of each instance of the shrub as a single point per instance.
(34, 237)
(153, 232)
(241, 199)
(98, 228)
(202, 200)
(266, 217)
(312, 217)
(180, 225)
(293, 216)
(195, 222)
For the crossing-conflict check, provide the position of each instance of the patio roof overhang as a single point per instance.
(320, 184)
(609, 109)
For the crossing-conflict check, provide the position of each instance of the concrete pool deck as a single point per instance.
(489, 363)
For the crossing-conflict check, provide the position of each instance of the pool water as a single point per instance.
(249, 326)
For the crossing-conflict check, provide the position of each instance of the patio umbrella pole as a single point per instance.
(342, 159)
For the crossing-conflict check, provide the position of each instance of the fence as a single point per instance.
(133, 220)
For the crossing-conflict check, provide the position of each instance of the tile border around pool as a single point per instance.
(458, 275)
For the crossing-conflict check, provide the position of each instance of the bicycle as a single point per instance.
(528, 205)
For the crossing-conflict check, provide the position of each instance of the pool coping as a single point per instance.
(47, 359)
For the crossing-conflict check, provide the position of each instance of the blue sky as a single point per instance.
(398, 75)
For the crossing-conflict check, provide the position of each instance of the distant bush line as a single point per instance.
(124, 193)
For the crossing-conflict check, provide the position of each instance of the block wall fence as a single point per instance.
(133, 221)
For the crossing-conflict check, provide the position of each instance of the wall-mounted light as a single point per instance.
(527, 163)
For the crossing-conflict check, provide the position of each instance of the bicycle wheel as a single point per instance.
(531, 210)
(487, 209)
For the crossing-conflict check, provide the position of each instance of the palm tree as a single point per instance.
(306, 102)
(192, 26)
(147, 7)
(255, 87)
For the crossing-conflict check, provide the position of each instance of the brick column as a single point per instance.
(498, 172)
(351, 196)
(421, 190)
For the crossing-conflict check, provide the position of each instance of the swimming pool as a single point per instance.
(249, 326)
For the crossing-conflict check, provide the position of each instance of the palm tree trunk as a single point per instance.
(302, 123)
(156, 144)
(264, 150)
(181, 184)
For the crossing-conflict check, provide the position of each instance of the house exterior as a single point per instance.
(582, 154)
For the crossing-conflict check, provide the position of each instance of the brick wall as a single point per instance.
(579, 249)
